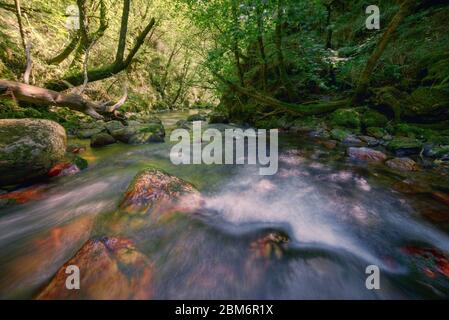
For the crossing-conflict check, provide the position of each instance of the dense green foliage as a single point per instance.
(292, 52)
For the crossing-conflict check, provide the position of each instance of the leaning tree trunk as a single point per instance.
(260, 31)
(235, 44)
(279, 51)
(363, 85)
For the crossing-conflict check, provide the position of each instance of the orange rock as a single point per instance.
(57, 169)
(441, 197)
(410, 187)
(437, 215)
(110, 268)
(366, 155)
(24, 195)
(42, 254)
(402, 164)
(154, 190)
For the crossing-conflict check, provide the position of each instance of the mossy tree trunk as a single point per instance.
(363, 85)
(279, 50)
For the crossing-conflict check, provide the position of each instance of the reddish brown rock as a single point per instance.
(42, 254)
(32, 193)
(153, 190)
(366, 155)
(441, 197)
(402, 164)
(436, 215)
(57, 169)
(328, 144)
(430, 261)
(110, 268)
(271, 246)
(411, 187)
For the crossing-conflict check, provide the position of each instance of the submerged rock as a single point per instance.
(272, 245)
(441, 197)
(101, 140)
(431, 262)
(29, 148)
(33, 193)
(411, 187)
(366, 155)
(110, 268)
(402, 164)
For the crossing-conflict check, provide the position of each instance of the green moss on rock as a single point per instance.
(29, 148)
(348, 118)
(372, 118)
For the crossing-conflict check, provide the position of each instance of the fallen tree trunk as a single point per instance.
(306, 109)
(26, 93)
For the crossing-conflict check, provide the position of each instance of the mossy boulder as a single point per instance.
(113, 125)
(425, 103)
(348, 118)
(376, 132)
(140, 134)
(404, 146)
(88, 129)
(148, 134)
(183, 124)
(340, 134)
(372, 118)
(152, 120)
(101, 140)
(29, 148)
(155, 189)
(433, 101)
(217, 117)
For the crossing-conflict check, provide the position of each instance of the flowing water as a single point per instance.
(340, 217)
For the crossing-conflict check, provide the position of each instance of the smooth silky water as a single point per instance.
(340, 218)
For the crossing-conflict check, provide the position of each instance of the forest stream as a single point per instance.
(308, 232)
